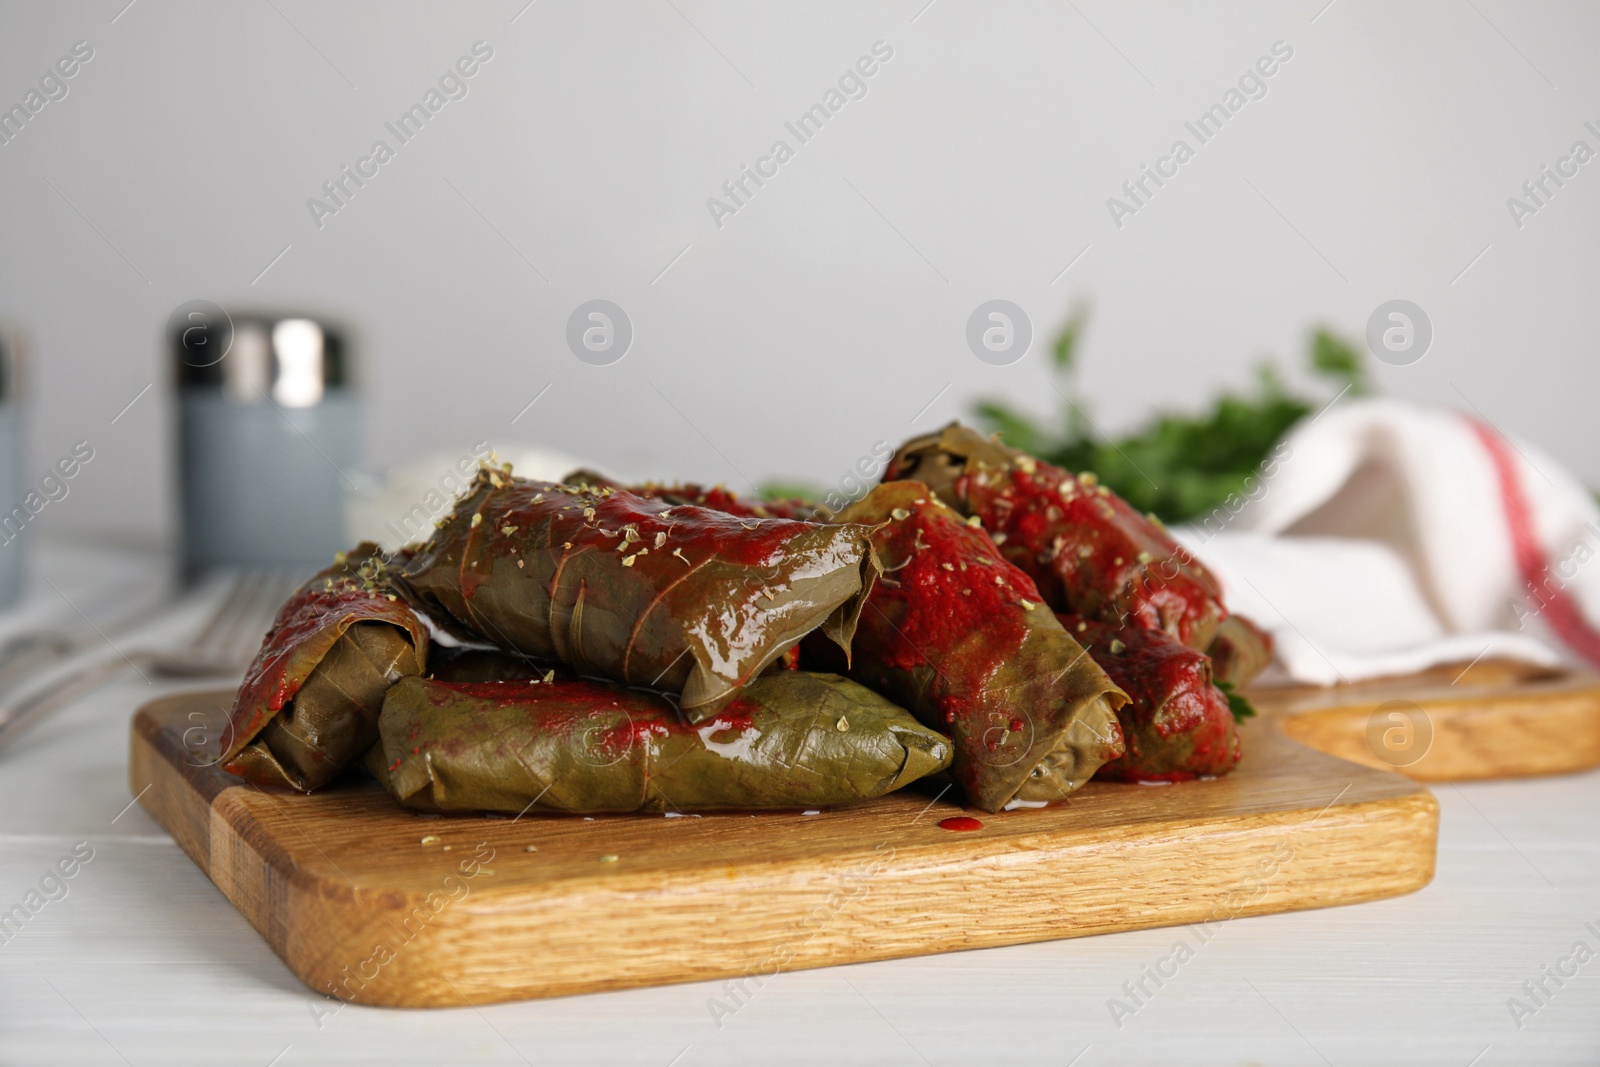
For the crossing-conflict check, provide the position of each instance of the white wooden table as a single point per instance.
(143, 961)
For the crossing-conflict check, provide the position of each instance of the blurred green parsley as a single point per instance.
(1180, 466)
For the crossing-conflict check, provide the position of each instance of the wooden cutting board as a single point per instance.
(373, 904)
(1451, 723)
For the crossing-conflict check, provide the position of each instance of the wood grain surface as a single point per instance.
(373, 904)
(1452, 723)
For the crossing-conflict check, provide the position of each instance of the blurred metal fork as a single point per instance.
(222, 645)
(227, 641)
(29, 653)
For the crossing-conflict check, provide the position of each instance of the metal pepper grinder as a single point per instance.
(15, 513)
(268, 431)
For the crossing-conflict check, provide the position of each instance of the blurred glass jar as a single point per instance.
(268, 426)
(14, 516)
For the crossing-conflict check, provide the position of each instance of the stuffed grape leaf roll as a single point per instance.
(1178, 724)
(309, 704)
(1089, 551)
(672, 597)
(963, 640)
(787, 740)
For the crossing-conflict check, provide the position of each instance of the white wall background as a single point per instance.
(831, 310)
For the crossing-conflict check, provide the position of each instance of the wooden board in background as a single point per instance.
(1489, 720)
(369, 902)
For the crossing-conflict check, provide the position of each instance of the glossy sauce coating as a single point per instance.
(962, 639)
(1090, 552)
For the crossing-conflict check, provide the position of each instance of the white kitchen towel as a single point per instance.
(1383, 537)
(402, 506)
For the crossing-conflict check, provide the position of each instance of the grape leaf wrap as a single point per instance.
(1178, 725)
(1089, 552)
(787, 740)
(963, 640)
(671, 597)
(308, 707)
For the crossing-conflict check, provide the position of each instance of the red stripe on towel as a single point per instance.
(1560, 611)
